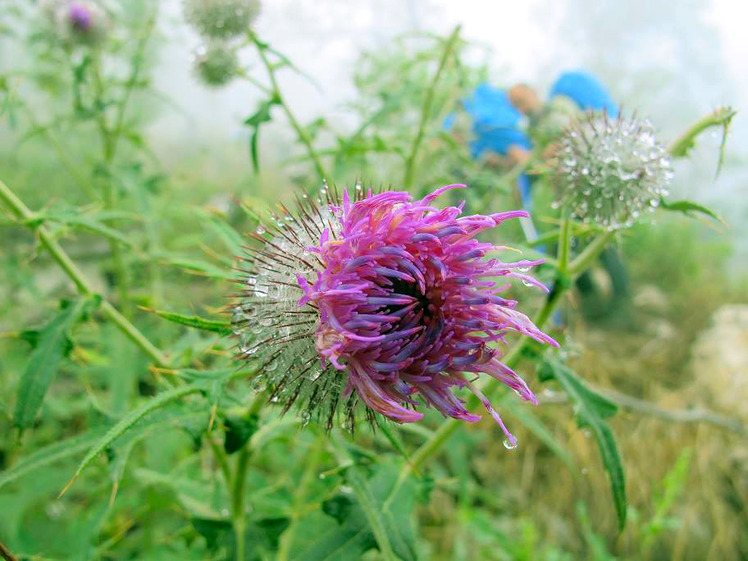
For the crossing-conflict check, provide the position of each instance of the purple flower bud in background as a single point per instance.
(79, 16)
(381, 300)
(78, 23)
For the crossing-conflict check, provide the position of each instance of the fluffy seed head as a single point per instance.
(379, 301)
(221, 19)
(610, 171)
(216, 65)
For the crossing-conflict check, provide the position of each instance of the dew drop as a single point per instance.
(510, 444)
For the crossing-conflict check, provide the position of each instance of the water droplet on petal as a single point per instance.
(510, 444)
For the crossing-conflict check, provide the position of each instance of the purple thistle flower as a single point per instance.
(397, 306)
(79, 16)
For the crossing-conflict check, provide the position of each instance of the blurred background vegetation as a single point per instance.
(155, 222)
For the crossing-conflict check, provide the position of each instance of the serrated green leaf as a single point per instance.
(687, 207)
(129, 420)
(220, 327)
(52, 345)
(50, 454)
(591, 411)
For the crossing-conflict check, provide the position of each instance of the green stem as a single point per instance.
(307, 478)
(720, 117)
(300, 130)
(240, 477)
(428, 101)
(564, 245)
(237, 502)
(108, 146)
(23, 213)
(590, 254)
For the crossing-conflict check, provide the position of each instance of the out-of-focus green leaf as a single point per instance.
(720, 117)
(91, 223)
(591, 411)
(688, 207)
(53, 344)
(260, 116)
(129, 420)
(238, 431)
(197, 266)
(220, 327)
(379, 515)
(50, 454)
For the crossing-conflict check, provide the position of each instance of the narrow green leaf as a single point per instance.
(687, 207)
(232, 239)
(52, 345)
(254, 121)
(198, 266)
(536, 427)
(50, 454)
(220, 327)
(591, 411)
(84, 222)
(129, 420)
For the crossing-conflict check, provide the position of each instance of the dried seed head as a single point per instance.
(611, 171)
(221, 19)
(379, 303)
(216, 65)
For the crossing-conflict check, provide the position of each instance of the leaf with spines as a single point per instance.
(591, 411)
(196, 322)
(52, 345)
(129, 420)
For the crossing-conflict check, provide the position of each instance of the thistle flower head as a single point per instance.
(380, 300)
(217, 64)
(610, 171)
(81, 22)
(221, 19)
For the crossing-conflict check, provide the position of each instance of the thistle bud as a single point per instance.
(221, 19)
(81, 22)
(611, 171)
(216, 65)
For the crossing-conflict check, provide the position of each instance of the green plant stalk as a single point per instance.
(276, 92)
(720, 117)
(239, 518)
(109, 144)
(307, 478)
(428, 101)
(23, 213)
(432, 446)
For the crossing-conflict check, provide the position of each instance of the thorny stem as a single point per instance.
(428, 100)
(276, 93)
(23, 213)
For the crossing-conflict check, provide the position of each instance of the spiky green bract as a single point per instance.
(216, 64)
(221, 19)
(611, 171)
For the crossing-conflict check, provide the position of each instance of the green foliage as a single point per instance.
(173, 453)
(591, 410)
(52, 344)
